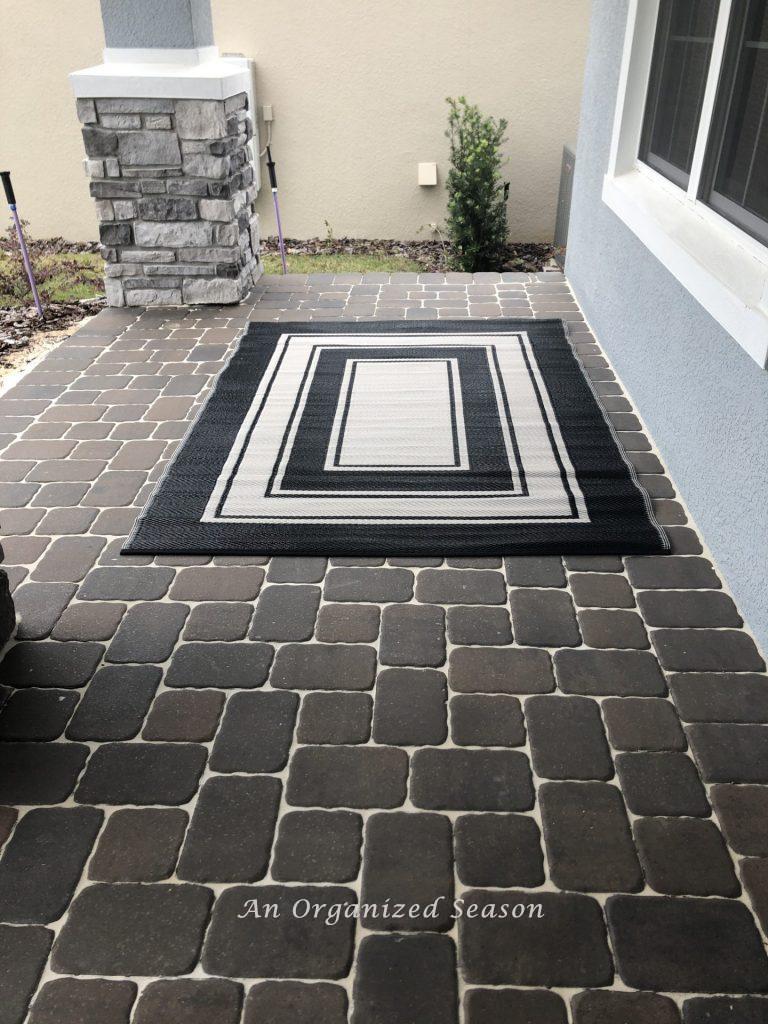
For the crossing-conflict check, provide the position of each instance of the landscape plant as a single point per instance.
(477, 209)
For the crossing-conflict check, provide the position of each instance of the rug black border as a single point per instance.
(622, 520)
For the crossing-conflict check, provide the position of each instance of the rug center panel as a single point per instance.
(390, 428)
(399, 413)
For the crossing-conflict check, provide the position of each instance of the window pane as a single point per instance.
(740, 147)
(681, 54)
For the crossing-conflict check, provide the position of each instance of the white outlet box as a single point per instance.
(427, 174)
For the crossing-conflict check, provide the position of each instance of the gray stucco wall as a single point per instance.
(704, 400)
(168, 24)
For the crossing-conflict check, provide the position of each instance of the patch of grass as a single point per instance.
(61, 276)
(339, 263)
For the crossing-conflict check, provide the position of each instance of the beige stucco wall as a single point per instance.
(358, 89)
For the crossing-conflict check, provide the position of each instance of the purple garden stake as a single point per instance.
(11, 198)
(273, 184)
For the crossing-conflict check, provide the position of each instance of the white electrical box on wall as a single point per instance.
(427, 174)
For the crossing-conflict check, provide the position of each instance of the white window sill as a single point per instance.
(725, 270)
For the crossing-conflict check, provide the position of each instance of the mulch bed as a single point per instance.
(19, 324)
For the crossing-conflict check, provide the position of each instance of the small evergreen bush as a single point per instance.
(477, 212)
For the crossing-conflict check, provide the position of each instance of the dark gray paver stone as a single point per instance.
(754, 873)
(190, 1001)
(686, 945)
(567, 738)
(695, 608)
(139, 845)
(255, 733)
(23, 952)
(379, 586)
(148, 632)
(50, 664)
(544, 618)
(471, 780)
(295, 1002)
(707, 650)
(90, 620)
(347, 777)
(491, 1006)
(191, 715)
(37, 773)
(661, 784)
(460, 586)
(36, 714)
(334, 718)
(114, 705)
(125, 583)
(347, 623)
(412, 635)
(221, 665)
(324, 667)
(230, 835)
(68, 559)
(671, 572)
(486, 720)
(290, 943)
(613, 628)
(407, 860)
(725, 1010)
(564, 947)
(42, 863)
(39, 606)
(594, 563)
(410, 707)
(589, 843)
(285, 613)
(496, 670)
(498, 850)
(532, 571)
(685, 857)
(218, 620)
(642, 723)
(79, 1001)
(619, 1007)
(720, 696)
(730, 753)
(743, 814)
(287, 569)
(609, 673)
(478, 625)
(217, 583)
(405, 978)
(318, 846)
(142, 773)
(131, 929)
(601, 590)
(8, 816)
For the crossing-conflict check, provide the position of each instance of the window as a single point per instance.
(733, 133)
(736, 177)
(684, 35)
(688, 165)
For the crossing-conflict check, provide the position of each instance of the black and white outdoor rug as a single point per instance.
(455, 437)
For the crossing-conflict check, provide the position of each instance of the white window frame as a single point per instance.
(723, 267)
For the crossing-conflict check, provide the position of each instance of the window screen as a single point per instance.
(736, 184)
(681, 54)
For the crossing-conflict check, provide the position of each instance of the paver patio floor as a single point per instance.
(191, 739)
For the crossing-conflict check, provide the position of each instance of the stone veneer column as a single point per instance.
(174, 188)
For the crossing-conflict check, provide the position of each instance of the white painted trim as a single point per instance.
(728, 281)
(724, 268)
(214, 80)
(156, 55)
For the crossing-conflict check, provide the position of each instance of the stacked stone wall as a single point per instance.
(174, 186)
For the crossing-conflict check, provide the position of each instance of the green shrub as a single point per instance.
(477, 213)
